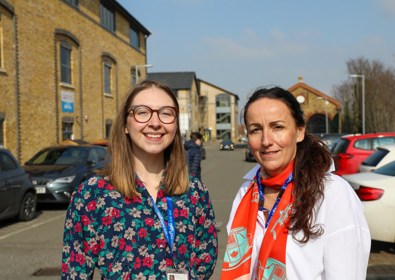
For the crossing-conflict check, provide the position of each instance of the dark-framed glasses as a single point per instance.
(143, 114)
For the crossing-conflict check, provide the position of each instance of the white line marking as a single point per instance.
(32, 226)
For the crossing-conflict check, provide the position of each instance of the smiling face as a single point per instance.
(272, 134)
(152, 137)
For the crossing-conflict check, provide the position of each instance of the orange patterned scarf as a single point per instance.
(271, 260)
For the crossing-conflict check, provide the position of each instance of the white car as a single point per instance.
(377, 192)
(383, 155)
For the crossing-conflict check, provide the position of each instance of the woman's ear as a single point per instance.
(301, 132)
(126, 130)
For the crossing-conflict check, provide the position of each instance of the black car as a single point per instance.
(17, 193)
(57, 171)
(227, 144)
(248, 153)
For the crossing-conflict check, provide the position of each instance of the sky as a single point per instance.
(239, 45)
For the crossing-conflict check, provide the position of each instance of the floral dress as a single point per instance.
(123, 237)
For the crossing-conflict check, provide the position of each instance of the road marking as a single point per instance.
(32, 226)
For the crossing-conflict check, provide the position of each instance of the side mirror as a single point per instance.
(91, 163)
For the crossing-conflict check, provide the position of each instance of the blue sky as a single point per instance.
(241, 45)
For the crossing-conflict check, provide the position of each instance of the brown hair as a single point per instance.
(312, 162)
(119, 165)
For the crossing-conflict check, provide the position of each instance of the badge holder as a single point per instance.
(173, 274)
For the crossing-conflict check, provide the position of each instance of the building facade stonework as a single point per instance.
(65, 65)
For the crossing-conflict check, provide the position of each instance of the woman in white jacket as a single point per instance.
(292, 219)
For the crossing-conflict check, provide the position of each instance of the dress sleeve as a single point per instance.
(206, 248)
(80, 245)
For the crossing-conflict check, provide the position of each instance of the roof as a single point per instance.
(228, 92)
(175, 80)
(370, 135)
(309, 88)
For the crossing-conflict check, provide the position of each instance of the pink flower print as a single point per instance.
(107, 220)
(100, 183)
(182, 249)
(110, 188)
(201, 220)
(193, 200)
(176, 213)
(86, 246)
(91, 206)
(85, 220)
(169, 262)
(77, 227)
(150, 222)
(184, 213)
(190, 238)
(102, 244)
(80, 259)
(96, 248)
(127, 200)
(197, 243)
(160, 243)
(142, 232)
(147, 262)
(110, 267)
(208, 259)
(137, 199)
(121, 243)
(65, 268)
(128, 248)
(160, 193)
(115, 213)
(137, 263)
(72, 256)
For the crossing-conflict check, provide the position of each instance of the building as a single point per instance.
(218, 112)
(65, 64)
(185, 87)
(313, 103)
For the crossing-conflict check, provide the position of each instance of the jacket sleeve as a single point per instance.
(195, 160)
(206, 242)
(79, 242)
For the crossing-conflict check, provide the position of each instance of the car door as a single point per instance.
(9, 186)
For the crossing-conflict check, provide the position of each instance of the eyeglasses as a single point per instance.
(143, 114)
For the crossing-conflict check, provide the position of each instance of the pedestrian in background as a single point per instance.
(142, 216)
(292, 219)
(194, 155)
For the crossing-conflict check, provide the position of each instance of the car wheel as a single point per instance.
(27, 209)
(247, 158)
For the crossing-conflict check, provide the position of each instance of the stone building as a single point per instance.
(64, 66)
(313, 103)
(218, 112)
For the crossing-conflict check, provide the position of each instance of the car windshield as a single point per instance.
(227, 142)
(375, 158)
(388, 169)
(59, 156)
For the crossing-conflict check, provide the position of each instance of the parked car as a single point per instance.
(57, 171)
(226, 144)
(377, 192)
(248, 153)
(203, 151)
(329, 138)
(18, 195)
(352, 150)
(383, 155)
(243, 139)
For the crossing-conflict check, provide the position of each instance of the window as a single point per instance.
(134, 38)
(7, 163)
(72, 2)
(65, 64)
(223, 118)
(107, 16)
(363, 144)
(1, 132)
(67, 130)
(1, 41)
(107, 78)
(223, 100)
(108, 128)
(134, 78)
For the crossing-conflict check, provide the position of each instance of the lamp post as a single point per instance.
(363, 99)
(137, 70)
(326, 113)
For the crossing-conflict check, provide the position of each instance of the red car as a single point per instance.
(352, 150)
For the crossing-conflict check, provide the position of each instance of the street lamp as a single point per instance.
(363, 99)
(137, 70)
(326, 112)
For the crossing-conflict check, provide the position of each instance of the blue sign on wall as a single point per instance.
(67, 101)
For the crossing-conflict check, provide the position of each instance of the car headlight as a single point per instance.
(64, 180)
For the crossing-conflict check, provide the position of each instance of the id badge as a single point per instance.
(177, 276)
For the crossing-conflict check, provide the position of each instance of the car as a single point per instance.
(243, 139)
(383, 155)
(227, 144)
(56, 171)
(18, 195)
(203, 151)
(377, 192)
(248, 154)
(329, 138)
(100, 142)
(351, 151)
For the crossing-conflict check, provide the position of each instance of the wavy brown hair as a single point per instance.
(312, 162)
(119, 165)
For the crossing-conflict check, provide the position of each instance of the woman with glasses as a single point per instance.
(142, 217)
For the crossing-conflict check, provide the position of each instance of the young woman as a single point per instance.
(292, 219)
(142, 216)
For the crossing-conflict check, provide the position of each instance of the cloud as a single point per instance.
(387, 7)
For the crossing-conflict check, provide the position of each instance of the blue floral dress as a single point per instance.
(123, 237)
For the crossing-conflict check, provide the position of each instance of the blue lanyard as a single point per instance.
(260, 189)
(169, 234)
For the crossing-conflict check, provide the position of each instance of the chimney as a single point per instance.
(300, 79)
